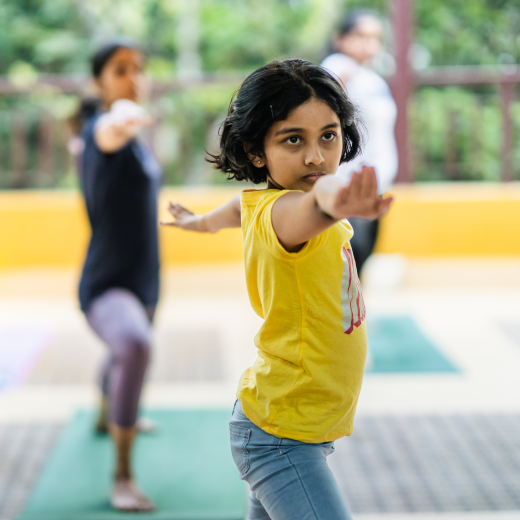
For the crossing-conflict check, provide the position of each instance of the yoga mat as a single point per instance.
(185, 467)
(20, 347)
(396, 344)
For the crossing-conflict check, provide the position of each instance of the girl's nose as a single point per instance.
(314, 156)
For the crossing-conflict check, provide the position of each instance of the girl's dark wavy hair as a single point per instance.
(268, 95)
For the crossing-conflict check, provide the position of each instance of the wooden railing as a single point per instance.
(34, 152)
(404, 82)
(505, 78)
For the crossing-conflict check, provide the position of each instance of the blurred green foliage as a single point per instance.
(456, 133)
(469, 32)
(50, 35)
(58, 35)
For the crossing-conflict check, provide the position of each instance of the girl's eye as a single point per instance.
(329, 136)
(293, 140)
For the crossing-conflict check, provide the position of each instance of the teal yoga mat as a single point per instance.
(396, 344)
(185, 467)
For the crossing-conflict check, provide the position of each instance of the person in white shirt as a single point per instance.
(357, 42)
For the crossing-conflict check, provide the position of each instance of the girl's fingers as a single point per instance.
(364, 186)
(341, 199)
(355, 185)
(348, 194)
(172, 210)
(179, 208)
(384, 205)
(176, 210)
(369, 187)
(344, 194)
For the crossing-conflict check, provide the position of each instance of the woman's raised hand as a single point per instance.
(359, 198)
(128, 116)
(115, 128)
(183, 218)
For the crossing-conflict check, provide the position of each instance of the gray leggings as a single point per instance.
(123, 324)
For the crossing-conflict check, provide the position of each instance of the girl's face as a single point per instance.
(122, 77)
(304, 147)
(363, 42)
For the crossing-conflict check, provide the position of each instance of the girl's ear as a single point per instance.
(257, 159)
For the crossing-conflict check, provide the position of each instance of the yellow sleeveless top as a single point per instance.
(312, 346)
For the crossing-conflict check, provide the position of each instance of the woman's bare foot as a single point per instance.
(126, 496)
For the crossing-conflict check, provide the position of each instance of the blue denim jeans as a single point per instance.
(289, 480)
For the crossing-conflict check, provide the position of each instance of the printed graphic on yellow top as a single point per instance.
(306, 380)
(351, 298)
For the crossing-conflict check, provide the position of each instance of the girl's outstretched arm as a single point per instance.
(298, 217)
(226, 216)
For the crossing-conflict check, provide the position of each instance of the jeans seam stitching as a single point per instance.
(245, 440)
(246, 453)
(303, 486)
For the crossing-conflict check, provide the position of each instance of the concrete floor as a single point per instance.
(470, 309)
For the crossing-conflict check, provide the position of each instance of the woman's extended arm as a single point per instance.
(226, 216)
(298, 217)
(115, 128)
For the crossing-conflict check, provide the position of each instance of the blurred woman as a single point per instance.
(119, 285)
(357, 42)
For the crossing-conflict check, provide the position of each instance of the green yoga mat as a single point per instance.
(396, 344)
(185, 467)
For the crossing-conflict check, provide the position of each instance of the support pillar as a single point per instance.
(402, 83)
(507, 91)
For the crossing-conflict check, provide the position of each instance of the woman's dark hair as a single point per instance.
(102, 56)
(347, 24)
(270, 94)
(90, 106)
(351, 18)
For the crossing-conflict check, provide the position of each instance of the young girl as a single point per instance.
(291, 125)
(119, 284)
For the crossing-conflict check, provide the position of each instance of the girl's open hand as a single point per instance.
(183, 218)
(359, 198)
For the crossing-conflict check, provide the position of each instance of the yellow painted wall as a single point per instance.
(453, 219)
(49, 228)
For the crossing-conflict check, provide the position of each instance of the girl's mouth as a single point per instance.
(314, 176)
